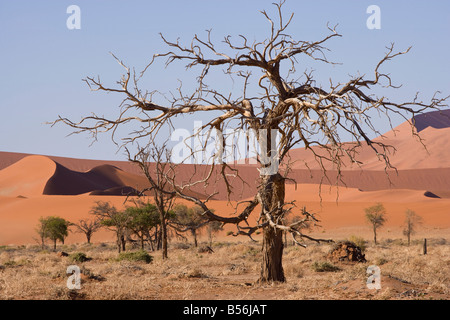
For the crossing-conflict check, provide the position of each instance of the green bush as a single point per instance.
(135, 256)
(78, 257)
(324, 267)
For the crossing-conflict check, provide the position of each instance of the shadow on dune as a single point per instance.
(101, 180)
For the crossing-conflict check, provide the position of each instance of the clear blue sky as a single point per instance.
(43, 62)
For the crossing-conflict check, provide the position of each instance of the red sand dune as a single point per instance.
(26, 177)
(77, 176)
(410, 152)
(32, 186)
(105, 177)
(417, 168)
(436, 181)
(37, 175)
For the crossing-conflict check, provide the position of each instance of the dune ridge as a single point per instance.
(39, 175)
(408, 152)
(419, 165)
(36, 175)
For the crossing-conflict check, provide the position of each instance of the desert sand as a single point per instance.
(32, 186)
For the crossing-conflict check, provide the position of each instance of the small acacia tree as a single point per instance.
(212, 228)
(188, 220)
(376, 217)
(412, 220)
(113, 219)
(273, 98)
(53, 228)
(88, 227)
(41, 230)
(142, 218)
(159, 186)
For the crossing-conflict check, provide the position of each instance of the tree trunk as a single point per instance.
(194, 234)
(272, 249)
(285, 240)
(123, 242)
(54, 245)
(158, 237)
(164, 236)
(151, 243)
(272, 266)
(375, 235)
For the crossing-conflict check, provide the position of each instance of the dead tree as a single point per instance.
(412, 220)
(274, 98)
(88, 227)
(152, 162)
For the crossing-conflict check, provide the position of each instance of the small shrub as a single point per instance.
(7, 248)
(18, 263)
(358, 241)
(135, 256)
(78, 257)
(324, 267)
(380, 261)
(10, 263)
(92, 276)
(196, 273)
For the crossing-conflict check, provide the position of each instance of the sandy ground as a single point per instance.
(342, 216)
(229, 273)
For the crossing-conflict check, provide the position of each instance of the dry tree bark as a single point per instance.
(300, 111)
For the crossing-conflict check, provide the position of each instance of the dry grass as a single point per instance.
(27, 272)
